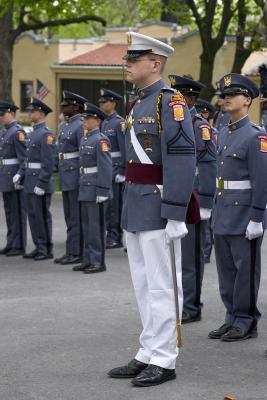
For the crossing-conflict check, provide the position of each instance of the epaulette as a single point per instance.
(168, 89)
(118, 116)
(200, 117)
(259, 128)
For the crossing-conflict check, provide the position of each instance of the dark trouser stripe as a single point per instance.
(20, 220)
(81, 229)
(103, 230)
(48, 244)
(197, 264)
(252, 276)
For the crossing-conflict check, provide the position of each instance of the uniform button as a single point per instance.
(145, 130)
(236, 203)
(138, 101)
(130, 162)
(220, 193)
(230, 131)
(220, 178)
(234, 154)
(155, 191)
(130, 182)
(224, 147)
(222, 162)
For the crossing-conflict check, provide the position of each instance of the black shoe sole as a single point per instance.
(123, 376)
(193, 319)
(252, 335)
(166, 379)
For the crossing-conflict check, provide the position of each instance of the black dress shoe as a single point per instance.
(5, 250)
(113, 245)
(132, 369)
(92, 269)
(71, 260)
(15, 252)
(218, 333)
(41, 257)
(32, 254)
(153, 375)
(235, 333)
(80, 267)
(187, 318)
(59, 259)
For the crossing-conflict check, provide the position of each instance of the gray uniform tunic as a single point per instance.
(173, 148)
(70, 134)
(193, 244)
(242, 156)
(40, 161)
(95, 180)
(113, 128)
(13, 149)
(222, 120)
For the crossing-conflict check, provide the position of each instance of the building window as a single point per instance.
(26, 92)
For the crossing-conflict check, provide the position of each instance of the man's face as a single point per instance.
(139, 69)
(36, 116)
(70, 110)
(107, 106)
(90, 123)
(6, 117)
(235, 102)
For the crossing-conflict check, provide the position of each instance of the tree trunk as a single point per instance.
(206, 74)
(6, 56)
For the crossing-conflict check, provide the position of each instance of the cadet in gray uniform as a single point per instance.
(113, 127)
(207, 110)
(12, 166)
(38, 182)
(95, 188)
(160, 170)
(70, 134)
(193, 244)
(221, 118)
(239, 208)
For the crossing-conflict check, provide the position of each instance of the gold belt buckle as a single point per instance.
(220, 184)
(81, 170)
(60, 156)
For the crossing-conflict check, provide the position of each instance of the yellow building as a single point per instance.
(85, 65)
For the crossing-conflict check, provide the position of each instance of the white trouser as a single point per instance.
(149, 259)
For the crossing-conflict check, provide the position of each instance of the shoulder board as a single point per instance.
(168, 89)
(259, 128)
(118, 116)
(198, 116)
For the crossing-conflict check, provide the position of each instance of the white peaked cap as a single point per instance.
(138, 42)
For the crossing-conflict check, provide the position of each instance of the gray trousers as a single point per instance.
(93, 224)
(208, 240)
(239, 267)
(72, 214)
(113, 214)
(193, 266)
(15, 215)
(40, 221)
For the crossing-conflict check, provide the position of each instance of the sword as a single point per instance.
(175, 289)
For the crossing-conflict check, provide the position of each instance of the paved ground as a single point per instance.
(61, 331)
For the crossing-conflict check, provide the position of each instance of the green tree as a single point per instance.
(18, 16)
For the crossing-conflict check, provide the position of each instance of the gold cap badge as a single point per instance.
(85, 107)
(172, 80)
(129, 39)
(227, 80)
(102, 92)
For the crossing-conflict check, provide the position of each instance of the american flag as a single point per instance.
(41, 90)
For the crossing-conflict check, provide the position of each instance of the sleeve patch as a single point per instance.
(263, 143)
(205, 132)
(122, 125)
(104, 145)
(21, 136)
(178, 112)
(50, 139)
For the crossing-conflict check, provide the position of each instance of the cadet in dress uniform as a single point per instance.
(160, 170)
(193, 244)
(207, 110)
(113, 127)
(95, 188)
(12, 166)
(239, 208)
(221, 118)
(70, 134)
(38, 182)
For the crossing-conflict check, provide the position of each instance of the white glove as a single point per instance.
(17, 186)
(16, 178)
(101, 199)
(254, 230)
(175, 230)
(119, 178)
(205, 213)
(39, 191)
